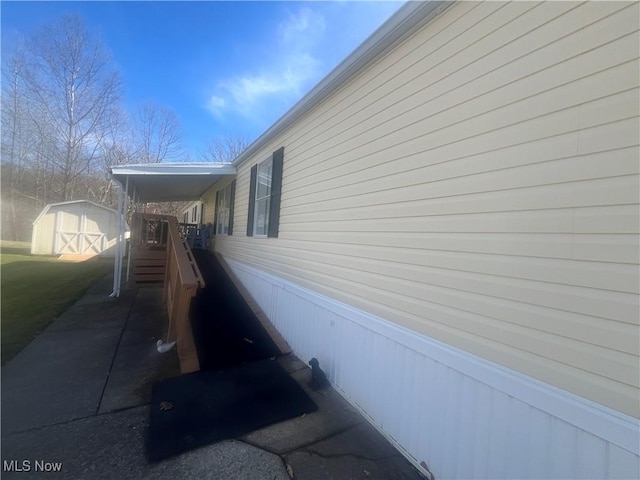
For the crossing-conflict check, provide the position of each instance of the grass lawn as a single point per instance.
(36, 289)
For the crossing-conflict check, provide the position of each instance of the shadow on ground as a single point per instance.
(226, 331)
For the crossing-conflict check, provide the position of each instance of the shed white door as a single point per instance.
(80, 232)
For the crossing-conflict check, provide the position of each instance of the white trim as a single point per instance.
(608, 424)
(117, 259)
(33, 238)
(174, 169)
(83, 233)
(56, 232)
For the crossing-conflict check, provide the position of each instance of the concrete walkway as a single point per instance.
(77, 400)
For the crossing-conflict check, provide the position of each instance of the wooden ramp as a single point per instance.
(160, 257)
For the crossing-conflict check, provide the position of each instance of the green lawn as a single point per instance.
(36, 289)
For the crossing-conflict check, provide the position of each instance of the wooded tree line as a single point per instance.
(64, 125)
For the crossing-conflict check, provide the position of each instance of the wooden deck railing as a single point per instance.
(160, 256)
(181, 283)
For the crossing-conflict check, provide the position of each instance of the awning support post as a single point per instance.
(117, 262)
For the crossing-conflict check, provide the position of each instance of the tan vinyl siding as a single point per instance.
(479, 184)
(209, 201)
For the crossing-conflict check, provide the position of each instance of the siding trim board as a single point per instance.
(278, 298)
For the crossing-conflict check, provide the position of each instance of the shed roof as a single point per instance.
(70, 202)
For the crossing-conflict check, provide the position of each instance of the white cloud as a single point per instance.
(302, 29)
(307, 43)
(216, 103)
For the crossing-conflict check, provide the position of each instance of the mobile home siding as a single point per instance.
(479, 185)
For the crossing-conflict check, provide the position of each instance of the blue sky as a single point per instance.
(226, 68)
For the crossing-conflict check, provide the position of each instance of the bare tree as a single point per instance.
(118, 148)
(75, 88)
(159, 135)
(14, 126)
(225, 149)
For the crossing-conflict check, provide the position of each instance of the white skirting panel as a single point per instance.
(463, 416)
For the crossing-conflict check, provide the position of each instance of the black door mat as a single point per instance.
(226, 331)
(201, 408)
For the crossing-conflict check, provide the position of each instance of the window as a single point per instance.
(224, 210)
(194, 214)
(264, 197)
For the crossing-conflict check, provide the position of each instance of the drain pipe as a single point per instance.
(135, 208)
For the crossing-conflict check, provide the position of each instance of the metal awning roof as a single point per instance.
(170, 182)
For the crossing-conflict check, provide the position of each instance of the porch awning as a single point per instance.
(160, 182)
(170, 182)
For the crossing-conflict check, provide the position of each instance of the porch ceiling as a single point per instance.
(170, 182)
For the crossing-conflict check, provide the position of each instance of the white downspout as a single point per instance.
(135, 208)
(123, 219)
(117, 264)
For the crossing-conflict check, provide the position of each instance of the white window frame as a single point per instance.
(266, 169)
(223, 209)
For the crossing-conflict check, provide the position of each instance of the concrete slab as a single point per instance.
(96, 309)
(290, 363)
(334, 415)
(113, 446)
(138, 365)
(358, 453)
(109, 314)
(58, 377)
(61, 374)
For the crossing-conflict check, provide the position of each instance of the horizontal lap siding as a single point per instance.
(209, 201)
(480, 185)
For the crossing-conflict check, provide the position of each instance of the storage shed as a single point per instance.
(77, 227)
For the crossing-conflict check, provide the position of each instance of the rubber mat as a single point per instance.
(201, 408)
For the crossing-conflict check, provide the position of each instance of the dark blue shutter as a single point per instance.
(232, 202)
(276, 190)
(252, 200)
